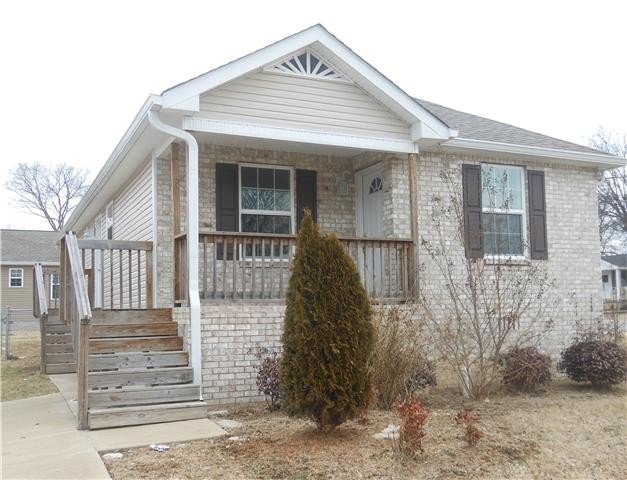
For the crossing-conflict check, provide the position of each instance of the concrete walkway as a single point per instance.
(40, 439)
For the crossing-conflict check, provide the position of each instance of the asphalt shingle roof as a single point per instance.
(29, 246)
(479, 128)
(616, 260)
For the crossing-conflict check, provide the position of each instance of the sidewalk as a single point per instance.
(40, 439)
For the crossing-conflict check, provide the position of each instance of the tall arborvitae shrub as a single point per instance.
(328, 335)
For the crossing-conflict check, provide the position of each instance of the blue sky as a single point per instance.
(79, 71)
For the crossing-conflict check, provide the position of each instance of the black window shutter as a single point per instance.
(226, 198)
(473, 239)
(306, 194)
(227, 214)
(537, 215)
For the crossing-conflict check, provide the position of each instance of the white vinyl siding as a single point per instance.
(298, 102)
(132, 220)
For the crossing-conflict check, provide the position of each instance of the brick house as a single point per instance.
(204, 192)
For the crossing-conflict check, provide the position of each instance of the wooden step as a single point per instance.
(141, 415)
(59, 348)
(60, 358)
(136, 344)
(115, 361)
(60, 368)
(153, 376)
(143, 395)
(58, 338)
(155, 315)
(58, 329)
(133, 330)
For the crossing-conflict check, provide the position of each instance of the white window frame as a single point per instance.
(52, 284)
(109, 220)
(276, 213)
(21, 277)
(510, 211)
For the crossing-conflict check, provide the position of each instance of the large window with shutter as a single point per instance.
(266, 199)
(504, 216)
(503, 210)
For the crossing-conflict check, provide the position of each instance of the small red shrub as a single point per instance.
(413, 418)
(469, 420)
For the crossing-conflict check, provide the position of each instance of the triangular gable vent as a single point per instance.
(309, 64)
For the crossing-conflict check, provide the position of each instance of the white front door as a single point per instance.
(370, 184)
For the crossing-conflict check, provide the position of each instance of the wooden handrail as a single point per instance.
(245, 265)
(77, 309)
(40, 306)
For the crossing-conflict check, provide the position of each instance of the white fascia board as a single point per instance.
(207, 125)
(598, 160)
(317, 34)
(136, 128)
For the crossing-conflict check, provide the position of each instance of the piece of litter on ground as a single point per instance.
(237, 439)
(160, 448)
(218, 413)
(389, 433)
(112, 456)
(391, 428)
(229, 423)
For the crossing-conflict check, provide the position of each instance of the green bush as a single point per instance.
(328, 335)
(598, 362)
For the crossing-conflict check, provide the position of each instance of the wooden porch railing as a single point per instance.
(124, 270)
(40, 309)
(238, 266)
(76, 311)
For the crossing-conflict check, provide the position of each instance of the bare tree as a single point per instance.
(612, 194)
(476, 308)
(49, 193)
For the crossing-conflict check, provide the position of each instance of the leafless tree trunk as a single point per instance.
(49, 193)
(612, 195)
(478, 307)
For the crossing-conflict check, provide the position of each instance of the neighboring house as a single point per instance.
(614, 277)
(19, 251)
(196, 209)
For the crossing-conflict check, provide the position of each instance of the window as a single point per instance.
(55, 285)
(16, 278)
(503, 213)
(266, 204)
(376, 185)
(109, 221)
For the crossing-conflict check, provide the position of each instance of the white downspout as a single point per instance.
(192, 237)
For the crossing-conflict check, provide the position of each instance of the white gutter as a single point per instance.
(596, 159)
(192, 237)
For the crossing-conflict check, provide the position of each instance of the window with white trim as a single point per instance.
(109, 221)
(503, 215)
(55, 286)
(16, 277)
(266, 204)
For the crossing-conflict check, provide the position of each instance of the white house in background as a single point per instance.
(614, 277)
(196, 210)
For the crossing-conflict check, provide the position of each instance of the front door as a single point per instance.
(370, 183)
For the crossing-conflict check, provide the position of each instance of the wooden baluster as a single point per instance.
(254, 267)
(388, 274)
(91, 285)
(121, 278)
(149, 295)
(225, 254)
(271, 267)
(243, 263)
(281, 292)
(82, 370)
(204, 266)
(397, 269)
(215, 264)
(111, 278)
(234, 289)
(381, 270)
(263, 267)
(139, 279)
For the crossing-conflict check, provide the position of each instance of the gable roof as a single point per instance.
(619, 261)
(475, 127)
(29, 246)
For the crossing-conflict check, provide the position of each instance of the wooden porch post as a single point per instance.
(413, 218)
(176, 188)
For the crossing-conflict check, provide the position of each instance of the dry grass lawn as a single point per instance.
(20, 376)
(568, 431)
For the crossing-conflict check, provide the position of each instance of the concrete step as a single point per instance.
(145, 414)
